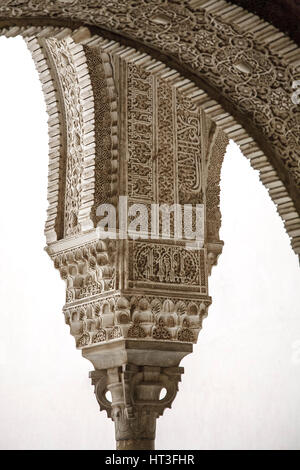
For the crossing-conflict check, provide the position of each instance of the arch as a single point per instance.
(146, 108)
(219, 47)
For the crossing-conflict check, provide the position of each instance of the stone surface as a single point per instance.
(135, 404)
(146, 116)
(134, 306)
(241, 62)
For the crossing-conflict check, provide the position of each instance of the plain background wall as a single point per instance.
(241, 385)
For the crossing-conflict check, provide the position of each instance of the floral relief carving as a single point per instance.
(66, 69)
(166, 148)
(149, 317)
(88, 270)
(214, 164)
(140, 128)
(188, 131)
(233, 61)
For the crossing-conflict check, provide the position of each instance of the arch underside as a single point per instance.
(240, 68)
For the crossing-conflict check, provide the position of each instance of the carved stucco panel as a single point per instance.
(249, 74)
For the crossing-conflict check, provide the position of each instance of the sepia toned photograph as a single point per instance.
(150, 227)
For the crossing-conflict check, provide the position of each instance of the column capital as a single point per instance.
(135, 400)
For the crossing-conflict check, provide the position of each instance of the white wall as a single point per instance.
(241, 385)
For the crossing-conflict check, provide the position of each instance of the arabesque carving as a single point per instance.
(152, 124)
(251, 76)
